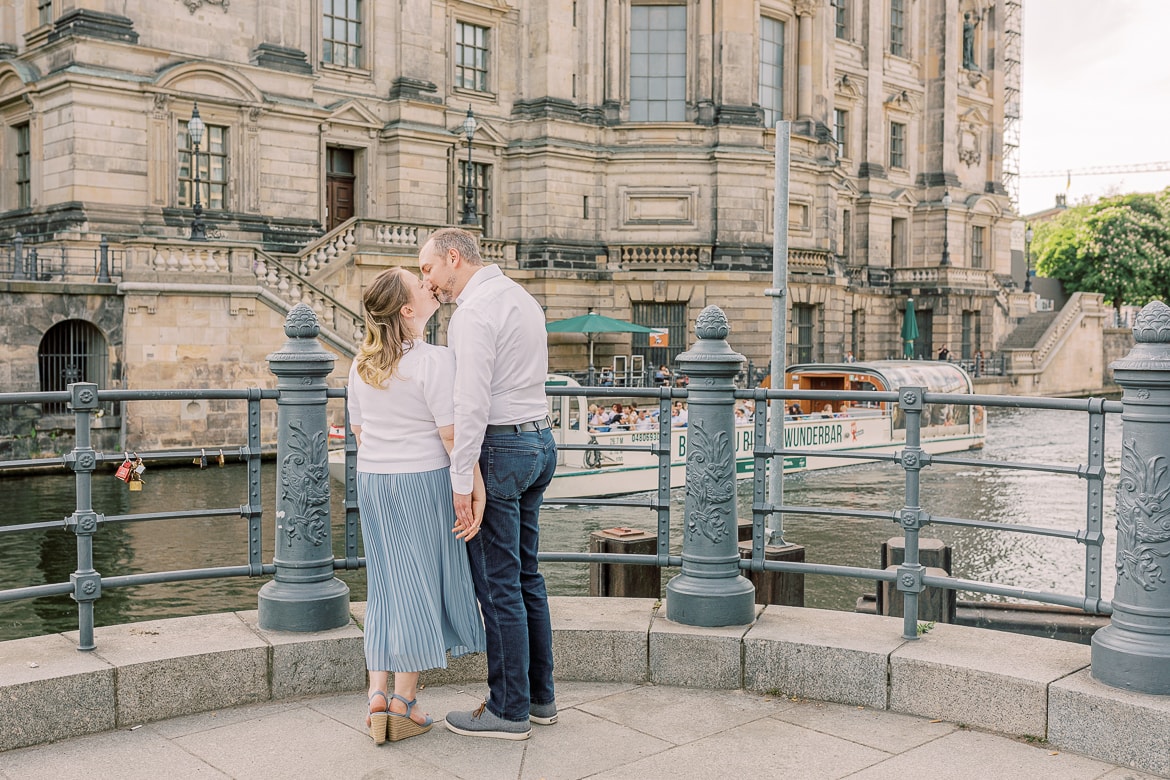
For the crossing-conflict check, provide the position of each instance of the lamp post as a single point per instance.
(468, 128)
(1028, 258)
(946, 203)
(195, 128)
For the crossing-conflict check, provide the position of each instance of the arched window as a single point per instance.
(71, 351)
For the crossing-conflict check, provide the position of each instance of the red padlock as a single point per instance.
(124, 471)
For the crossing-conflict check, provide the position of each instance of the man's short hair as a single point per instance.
(462, 241)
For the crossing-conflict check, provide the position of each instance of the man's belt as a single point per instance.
(535, 425)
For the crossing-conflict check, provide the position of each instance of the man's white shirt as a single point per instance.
(501, 363)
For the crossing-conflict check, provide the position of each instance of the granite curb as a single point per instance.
(1026, 687)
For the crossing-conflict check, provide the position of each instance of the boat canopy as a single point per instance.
(935, 376)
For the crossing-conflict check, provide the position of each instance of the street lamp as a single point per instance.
(195, 128)
(946, 203)
(1028, 258)
(468, 129)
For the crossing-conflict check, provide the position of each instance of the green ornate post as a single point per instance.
(1133, 651)
(710, 590)
(304, 595)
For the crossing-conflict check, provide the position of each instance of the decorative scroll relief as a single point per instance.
(710, 482)
(1143, 518)
(304, 482)
(193, 5)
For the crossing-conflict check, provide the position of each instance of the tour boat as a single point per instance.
(859, 427)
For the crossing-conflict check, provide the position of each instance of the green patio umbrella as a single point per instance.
(909, 330)
(592, 323)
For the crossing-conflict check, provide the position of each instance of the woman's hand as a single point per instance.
(467, 532)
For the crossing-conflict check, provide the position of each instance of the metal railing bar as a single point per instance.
(630, 559)
(1007, 527)
(824, 511)
(1010, 465)
(36, 591)
(237, 511)
(182, 575)
(47, 525)
(1092, 606)
(854, 572)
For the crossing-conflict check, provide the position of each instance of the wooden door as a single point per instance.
(339, 186)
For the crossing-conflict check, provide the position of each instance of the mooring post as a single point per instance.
(303, 595)
(710, 590)
(1133, 651)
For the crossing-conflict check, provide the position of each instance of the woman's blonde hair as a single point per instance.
(388, 332)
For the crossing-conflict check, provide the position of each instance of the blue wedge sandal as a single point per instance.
(402, 725)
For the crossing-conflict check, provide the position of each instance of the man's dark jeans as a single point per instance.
(517, 467)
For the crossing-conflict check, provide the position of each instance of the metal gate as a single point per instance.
(671, 317)
(71, 351)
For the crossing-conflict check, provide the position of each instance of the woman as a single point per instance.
(420, 600)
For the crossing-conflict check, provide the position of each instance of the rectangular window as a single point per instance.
(857, 338)
(471, 57)
(846, 233)
(212, 167)
(804, 328)
(341, 33)
(897, 28)
(23, 167)
(772, 70)
(658, 63)
(897, 145)
(842, 22)
(44, 12)
(481, 192)
(976, 247)
(970, 335)
(841, 132)
(898, 242)
(670, 317)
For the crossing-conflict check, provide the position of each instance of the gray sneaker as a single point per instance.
(482, 722)
(543, 714)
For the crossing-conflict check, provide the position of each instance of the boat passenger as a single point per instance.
(827, 411)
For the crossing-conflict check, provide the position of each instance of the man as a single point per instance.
(501, 363)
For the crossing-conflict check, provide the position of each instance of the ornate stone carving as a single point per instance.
(805, 7)
(304, 482)
(710, 482)
(1143, 518)
(193, 5)
(1152, 324)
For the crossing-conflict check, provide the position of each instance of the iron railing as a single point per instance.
(21, 261)
(710, 475)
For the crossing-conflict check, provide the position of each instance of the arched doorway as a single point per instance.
(71, 351)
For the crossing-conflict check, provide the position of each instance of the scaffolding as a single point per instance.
(1013, 29)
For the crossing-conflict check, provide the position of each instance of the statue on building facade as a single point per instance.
(969, 41)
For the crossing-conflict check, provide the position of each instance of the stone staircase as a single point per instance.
(1029, 332)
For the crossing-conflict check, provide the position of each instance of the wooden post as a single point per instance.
(935, 604)
(613, 579)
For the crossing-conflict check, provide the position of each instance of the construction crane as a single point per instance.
(1100, 170)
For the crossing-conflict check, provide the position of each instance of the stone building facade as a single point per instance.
(622, 160)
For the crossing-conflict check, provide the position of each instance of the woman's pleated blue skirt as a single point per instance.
(420, 600)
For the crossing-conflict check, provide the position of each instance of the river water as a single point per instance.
(1007, 497)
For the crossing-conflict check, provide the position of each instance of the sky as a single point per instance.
(1095, 91)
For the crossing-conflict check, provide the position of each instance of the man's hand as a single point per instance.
(466, 521)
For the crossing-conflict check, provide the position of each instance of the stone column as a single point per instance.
(710, 590)
(303, 595)
(804, 61)
(1133, 651)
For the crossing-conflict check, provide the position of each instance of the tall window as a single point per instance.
(44, 11)
(23, 167)
(480, 189)
(977, 247)
(213, 168)
(842, 22)
(804, 328)
(897, 145)
(771, 70)
(671, 317)
(971, 335)
(846, 233)
(471, 57)
(342, 33)
(898, 242)
(658, 63)
(841, 132)
(71, 351)
(857, 338)
(898, 28)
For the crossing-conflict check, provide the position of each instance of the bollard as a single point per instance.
(103, 276)
(303, 595)
(774, 587)
(1133, 651)
(620, 580)
(710, 590)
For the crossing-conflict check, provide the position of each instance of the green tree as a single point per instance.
(1118, 246)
